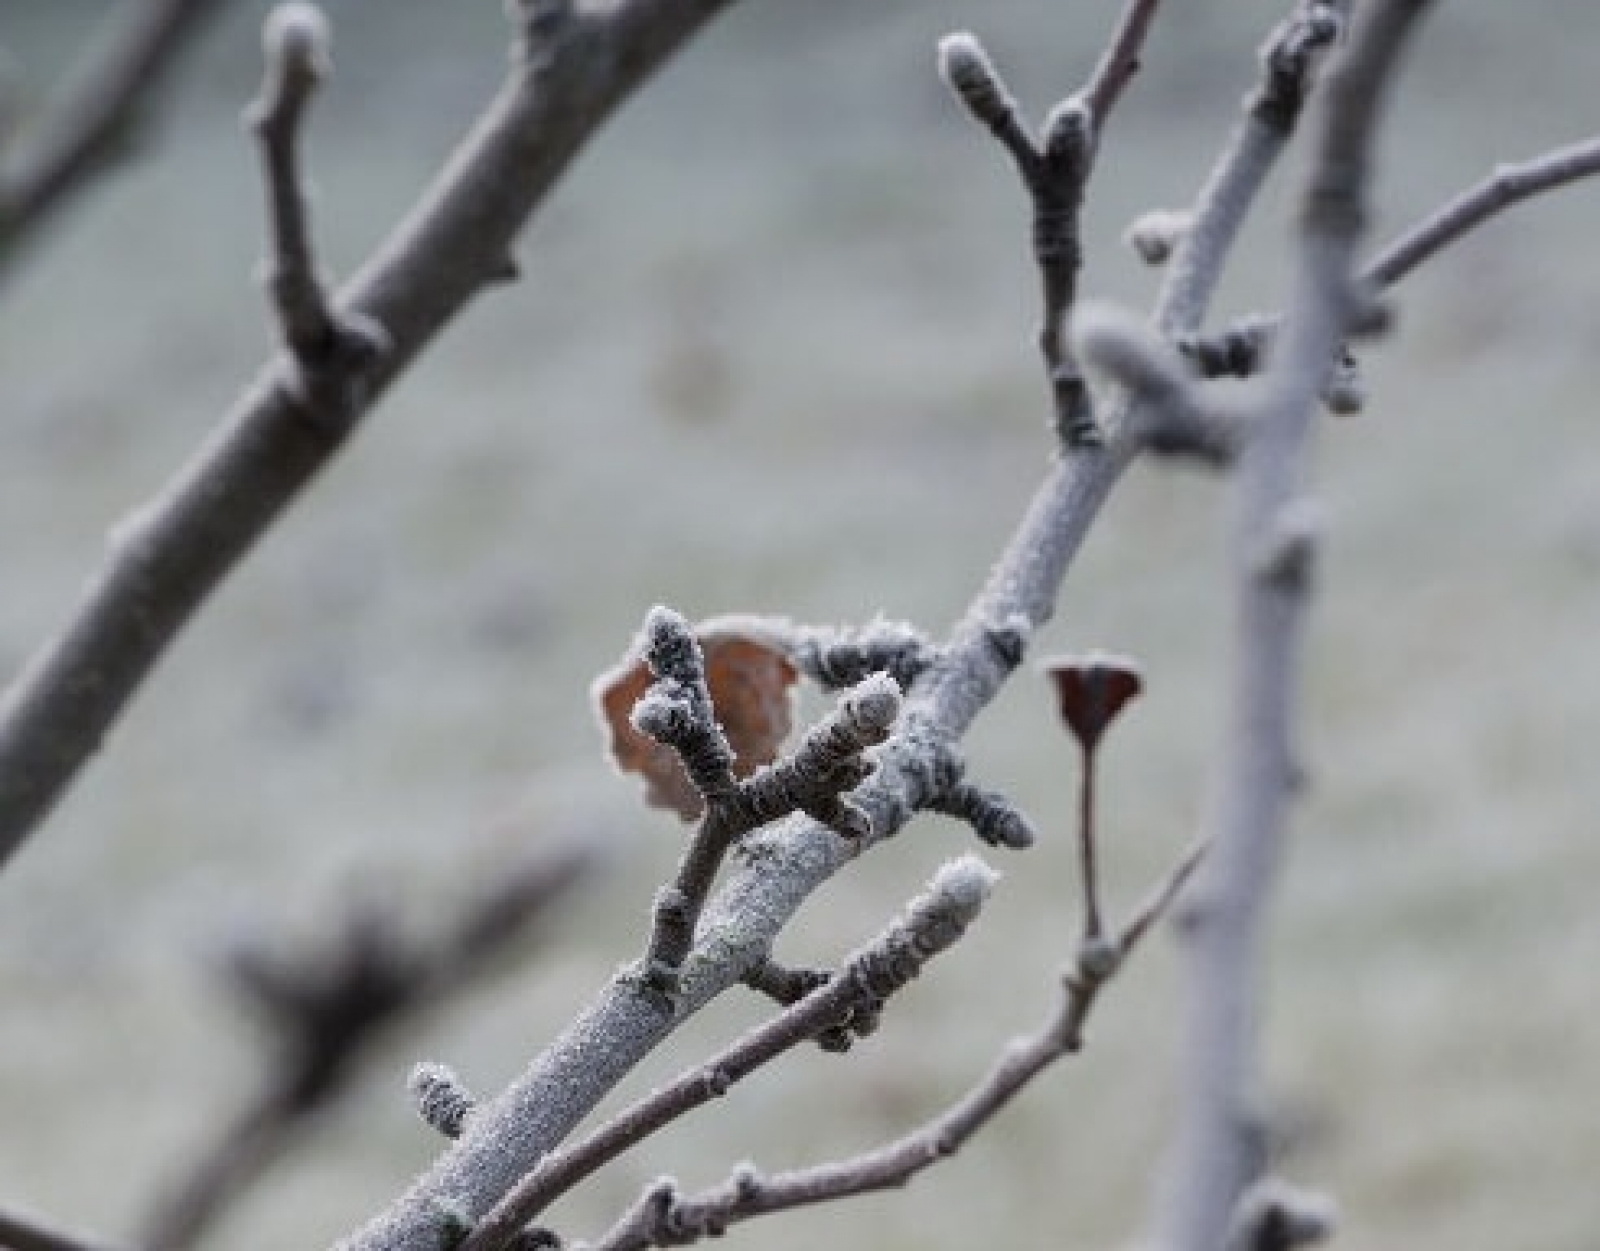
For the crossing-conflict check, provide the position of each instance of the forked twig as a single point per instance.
(665, 1217)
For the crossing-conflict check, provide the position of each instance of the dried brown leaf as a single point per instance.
(750, 681)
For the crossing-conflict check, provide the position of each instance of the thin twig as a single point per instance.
(931, 924)
(172, 553)
(329, 1009)
(96, 116)
(1055, 171)
(1272, 545)
(663, 1217)
(1507, 185)
(1119, 62)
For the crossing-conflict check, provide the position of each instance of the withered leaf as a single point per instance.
(751, 683)
(1091, 690)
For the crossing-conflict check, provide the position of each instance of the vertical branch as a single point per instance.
(1272, 555)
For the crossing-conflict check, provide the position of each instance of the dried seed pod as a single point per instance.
(1091, 690)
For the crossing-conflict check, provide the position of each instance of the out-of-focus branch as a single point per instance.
(571, 70)
(931, 924)
(665, 1217)
(96, 116)
(1506, 186)
(329, 1008)
(1272, 554)
(23, 1231)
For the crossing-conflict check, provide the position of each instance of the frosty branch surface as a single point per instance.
(931, 924)
(330, 354)
(1272, 549)
(571, 70)
(780, 867)
(1055, 171)
(677, 711)
(665, 1217)
(96, 117)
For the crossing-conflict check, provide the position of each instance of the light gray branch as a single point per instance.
(624, 1023)
(97, 115)
(170, 554)
(1272, 543)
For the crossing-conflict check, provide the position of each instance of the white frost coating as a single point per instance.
(297, 37)
(1123, 348)
(964, 883)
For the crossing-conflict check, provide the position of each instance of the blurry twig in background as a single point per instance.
(1212, 1161)
(95, 117)
(23, 1231)
(327, 1009)
(567, 77)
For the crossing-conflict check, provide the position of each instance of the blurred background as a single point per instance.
(771, 352)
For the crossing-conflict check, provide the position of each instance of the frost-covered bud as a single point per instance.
(968, 71)
(442, 1099)
(1068, 132)
(296, 40)
(1155, 236)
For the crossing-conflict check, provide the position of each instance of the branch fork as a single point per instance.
(815, 778)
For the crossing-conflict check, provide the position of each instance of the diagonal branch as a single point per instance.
(663, 1217)
(171, 554)
(96, 117)
(23, 1231)
(932, 923)
(784, 865)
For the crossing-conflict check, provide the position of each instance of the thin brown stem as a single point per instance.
(1088, 870)
(96, 116)
(1120, 60)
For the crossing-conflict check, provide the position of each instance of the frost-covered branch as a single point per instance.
(931, 924)
(96, 117)
(779, 867)
(665, 1217)
(1273, 544)
(572, 68)
(1055, 171)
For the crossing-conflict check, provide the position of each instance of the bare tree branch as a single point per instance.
(23, 1231)
(511, 1132)
(571, 71)
(96, 116)
(1272, 550)
(329, 1008)
(1508, 185)
(664, 1217)
(1055, 171)
(932, 923)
